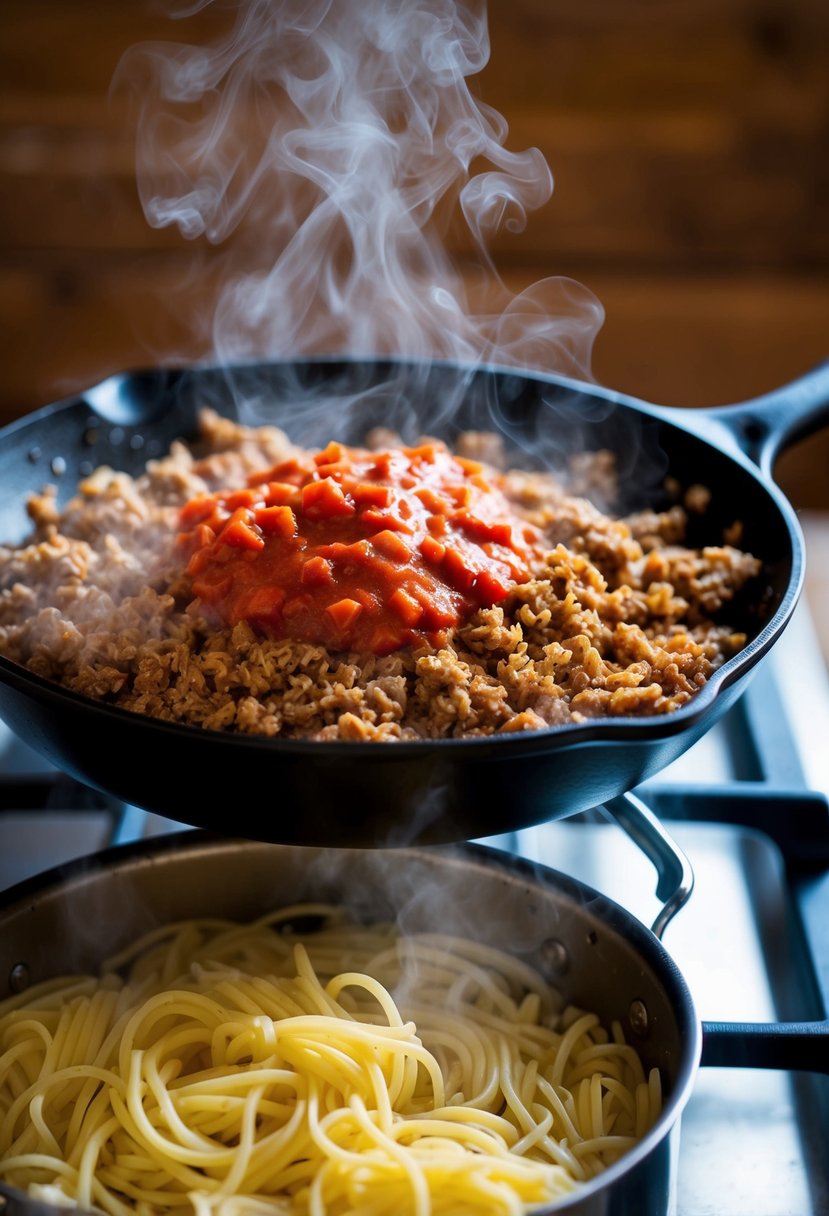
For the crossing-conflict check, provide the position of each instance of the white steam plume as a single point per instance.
(336, 139)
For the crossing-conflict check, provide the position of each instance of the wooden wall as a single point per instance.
(689, 140)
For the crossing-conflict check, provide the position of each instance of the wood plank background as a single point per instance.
(689, 141)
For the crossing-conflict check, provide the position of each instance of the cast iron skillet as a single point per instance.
(356, 794)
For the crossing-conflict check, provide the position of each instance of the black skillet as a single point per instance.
(357, 794)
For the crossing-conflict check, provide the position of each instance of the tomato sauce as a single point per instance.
(355, 549)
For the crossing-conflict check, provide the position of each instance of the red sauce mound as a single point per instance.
(357, 550)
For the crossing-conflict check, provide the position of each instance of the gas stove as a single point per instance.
(749, 807)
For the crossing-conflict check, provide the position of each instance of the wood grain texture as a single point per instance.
(689, 143)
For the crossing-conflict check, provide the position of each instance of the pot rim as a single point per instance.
(190, 842)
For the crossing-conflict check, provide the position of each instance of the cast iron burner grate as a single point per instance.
(752, 941)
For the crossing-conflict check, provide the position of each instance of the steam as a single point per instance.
(331, 145)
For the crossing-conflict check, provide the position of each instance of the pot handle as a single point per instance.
(675, 877)
(789, 1046)
(766, 425)
(793, 1046)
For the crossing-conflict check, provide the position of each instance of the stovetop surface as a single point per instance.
(748, 805)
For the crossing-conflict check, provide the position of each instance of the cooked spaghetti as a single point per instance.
(218, 1067)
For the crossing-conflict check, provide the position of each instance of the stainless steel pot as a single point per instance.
(592, 950)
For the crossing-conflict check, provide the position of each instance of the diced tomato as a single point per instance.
(337, 469)
(432, 550)
(331, 454)
(390, 545)
(240, 498)
(360, 551)
(489, 589)
(367, 495)
(203, 535)
(397, 524)
(457, 571)
(501, 534)
(481, 529)
(436, 616)
(196, 510)
(433, 502)
(290, 470)
(198, 562)
(344, 613)
(279, 521)
(335, 552)
(325, 499)
(427, 452)
(316, 572)
(282, 494)
(240, 532)
(406, 607)
(188, 542)
(374, 519)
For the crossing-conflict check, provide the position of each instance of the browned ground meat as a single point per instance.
(618, 618)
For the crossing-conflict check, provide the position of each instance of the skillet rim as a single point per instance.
(711, 432)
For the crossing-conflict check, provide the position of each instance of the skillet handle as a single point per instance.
(790, 1046)
(675, 878)
(763, 427)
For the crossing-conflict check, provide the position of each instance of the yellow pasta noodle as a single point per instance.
(231, 1070)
